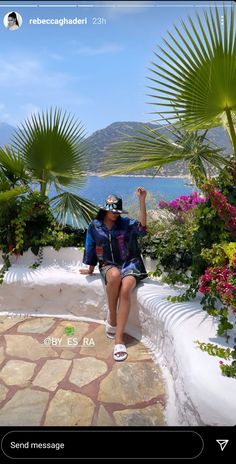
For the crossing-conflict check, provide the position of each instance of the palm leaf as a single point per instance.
(150, 148)
(53, 147)
(12, 166)
(195, 74)
(7, 195)
(72, 209)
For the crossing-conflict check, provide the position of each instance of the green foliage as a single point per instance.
(185, 248)
(33, 220)
(5, 266)
(190, 59)
(49, 149)
(193, 75)
(215, 350)
(228, 370)
(220, 254)
(52, 146)
(209, 228)
(169, 247)
(209, 235)
(211, 304)
(189, 294)
(70, 208)
(224, 324)
(230, 251)
(216, 256)
(12, 193)
(30, 224)
(151, 148)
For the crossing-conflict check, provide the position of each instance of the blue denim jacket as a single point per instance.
(117, 246)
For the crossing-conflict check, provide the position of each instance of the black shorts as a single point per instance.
(124, 272)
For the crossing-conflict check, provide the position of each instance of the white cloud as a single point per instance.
(100, 50)
(23, 112)
(29, 74)
(28, 109)
(56, 57)
(16, 71)
(29, 86)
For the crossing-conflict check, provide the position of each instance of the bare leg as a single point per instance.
(127, 285)
(113, 287)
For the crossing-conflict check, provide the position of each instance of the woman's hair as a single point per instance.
(101, 214)
(14, 16)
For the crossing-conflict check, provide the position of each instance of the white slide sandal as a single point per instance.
(110, 330)
(120, 352)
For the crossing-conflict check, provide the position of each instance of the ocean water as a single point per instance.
(97, 188)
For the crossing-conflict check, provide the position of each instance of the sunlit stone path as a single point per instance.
(77, 382)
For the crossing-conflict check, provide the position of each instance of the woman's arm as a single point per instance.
(90, 256)
(87, 271)
(142, 193)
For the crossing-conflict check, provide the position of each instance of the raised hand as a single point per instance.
(141, 193)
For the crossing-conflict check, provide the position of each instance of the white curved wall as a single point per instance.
(198, 393)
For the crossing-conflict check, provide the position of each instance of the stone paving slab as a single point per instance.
(17, 372)
(25, 346)
(131, 383)
(86, 370)
(26, 407)
(52, 373)
(70, 408)
(36, 325)
(75, 382)
(150, 416)
(8, 322)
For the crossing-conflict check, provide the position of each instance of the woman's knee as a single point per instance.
(127, 287)
(113, 276)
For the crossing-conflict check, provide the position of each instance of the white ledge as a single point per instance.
(198, 393)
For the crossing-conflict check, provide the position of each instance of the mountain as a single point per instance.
(115, 132)
(6, 132)
(101, 139)
(120, 130)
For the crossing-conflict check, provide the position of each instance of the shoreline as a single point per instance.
(180, 176)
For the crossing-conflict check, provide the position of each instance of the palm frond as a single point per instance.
(53, 147)
(72, 209)
(12, 166)
(195, 73)
(7, 195)
(150, 148)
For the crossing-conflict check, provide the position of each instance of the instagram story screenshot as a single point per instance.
(117, 230)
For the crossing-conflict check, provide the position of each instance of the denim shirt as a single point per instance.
(117, 246)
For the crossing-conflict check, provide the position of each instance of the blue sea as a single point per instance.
(97, 188)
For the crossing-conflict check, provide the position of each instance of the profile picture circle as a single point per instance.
(12, 20)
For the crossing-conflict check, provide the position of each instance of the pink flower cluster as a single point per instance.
(221, 282)
(183, 203)
(225, 210)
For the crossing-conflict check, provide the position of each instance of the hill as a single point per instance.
(6, 132)
(119, 131)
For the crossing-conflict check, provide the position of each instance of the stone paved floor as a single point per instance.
(76, 383)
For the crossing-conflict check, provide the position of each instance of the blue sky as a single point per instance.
(96, 72)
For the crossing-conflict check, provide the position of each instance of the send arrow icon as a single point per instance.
(222, 444)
